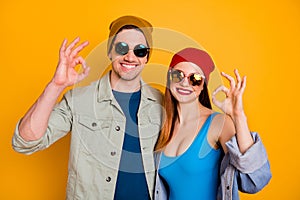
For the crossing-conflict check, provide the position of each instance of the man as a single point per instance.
(114, 122)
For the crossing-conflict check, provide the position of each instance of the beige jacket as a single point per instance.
(97, 126)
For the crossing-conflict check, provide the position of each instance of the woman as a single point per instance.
(203, 154)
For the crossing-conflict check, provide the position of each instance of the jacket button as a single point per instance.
(94, 124)
(113, 153)
(108, 179)
(117, 128)
(227, 187)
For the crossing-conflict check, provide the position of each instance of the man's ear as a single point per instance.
(109, 56)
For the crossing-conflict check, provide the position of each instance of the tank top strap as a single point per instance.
(201, 142)
(204, 129)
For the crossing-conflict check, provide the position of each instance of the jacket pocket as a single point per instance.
(93, 124)
(93, 134)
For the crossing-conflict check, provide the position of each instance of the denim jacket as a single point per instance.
(97, 126)
(248, 172)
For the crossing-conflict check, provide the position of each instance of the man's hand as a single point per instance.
(66, 74)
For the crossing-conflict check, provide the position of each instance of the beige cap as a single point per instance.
(142, 24)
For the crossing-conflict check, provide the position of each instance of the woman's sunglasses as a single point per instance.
(139, 50)
(177, 76)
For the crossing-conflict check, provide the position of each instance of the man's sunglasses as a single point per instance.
(139, 50)
(177, 76)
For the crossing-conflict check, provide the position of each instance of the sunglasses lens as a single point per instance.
(140, 50)
(176, 76)
(195, 79)
(121, 48)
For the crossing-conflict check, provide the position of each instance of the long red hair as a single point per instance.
(170, 106)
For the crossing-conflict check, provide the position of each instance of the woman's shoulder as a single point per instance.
(219, 120)
(222, 121)
(225, 128)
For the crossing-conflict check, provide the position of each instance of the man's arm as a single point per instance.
(34, 123)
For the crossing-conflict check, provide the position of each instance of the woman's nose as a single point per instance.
(185, 82)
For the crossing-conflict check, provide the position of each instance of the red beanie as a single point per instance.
(196, 56)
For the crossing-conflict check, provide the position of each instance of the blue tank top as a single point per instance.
(195, 173)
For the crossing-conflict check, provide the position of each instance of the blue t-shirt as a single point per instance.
(131, 181)
(194, 174)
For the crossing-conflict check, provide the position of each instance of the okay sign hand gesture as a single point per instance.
(233, 104)
(66, 74)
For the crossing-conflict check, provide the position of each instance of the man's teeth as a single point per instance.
(128, 66)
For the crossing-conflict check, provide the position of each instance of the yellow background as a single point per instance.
(260, 38)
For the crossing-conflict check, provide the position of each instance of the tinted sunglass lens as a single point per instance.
(176, 76)
(140, 50)
(195, 80)
(122, 48)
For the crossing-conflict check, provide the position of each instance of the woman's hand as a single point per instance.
(233, 103)
(66, 74)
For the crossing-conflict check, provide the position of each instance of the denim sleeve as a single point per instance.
(252, 168)
(255, 181)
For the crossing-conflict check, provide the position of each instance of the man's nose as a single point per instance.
(130, 56)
